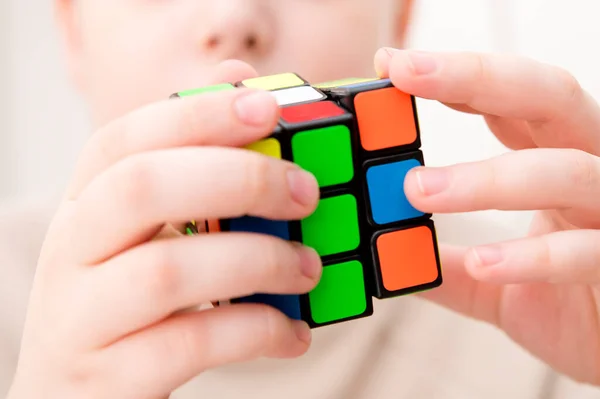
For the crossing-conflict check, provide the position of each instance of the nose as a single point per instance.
(237, 29)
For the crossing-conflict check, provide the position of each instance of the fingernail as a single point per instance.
(487, 256)
(303, 186)
(302, 331)
(310, 261)
(422, 63)
(255, 108)
(382, 60)
(432, 181)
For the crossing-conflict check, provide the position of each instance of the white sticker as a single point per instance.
(297, 95)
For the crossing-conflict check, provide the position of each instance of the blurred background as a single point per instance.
(43, 125)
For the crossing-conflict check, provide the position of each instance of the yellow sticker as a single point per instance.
(343, 82)
(274, 82)
(269, 147)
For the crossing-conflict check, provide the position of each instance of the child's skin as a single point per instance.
(101, 322)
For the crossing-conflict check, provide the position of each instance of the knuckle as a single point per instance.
(488, 177)
(571, 86)
(270, 330)
(185, 343)
(265, 256)
(481, 68)
(161, 279)
(271, 257)
(192, 120)
(137, 181)
(583, 170)
(478, 77)
(84, 374)
(545, 256)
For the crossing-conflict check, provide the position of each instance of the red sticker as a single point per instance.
(310, 112)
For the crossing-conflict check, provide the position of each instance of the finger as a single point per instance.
(461, 292)
(500, 85)
(164, 357)
(228, 118)
(565, 257)
(146, 284)
(535, 315)
(548, 97)
(524, 180)
(227, 71)
(231, 71)
(131, 201)
(462, 108)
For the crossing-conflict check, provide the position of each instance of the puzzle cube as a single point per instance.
(359, 137)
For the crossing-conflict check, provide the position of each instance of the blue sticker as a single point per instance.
(386, 192)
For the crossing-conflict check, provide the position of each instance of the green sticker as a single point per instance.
(333, 227)
(339, 294)
(208, 89)
(326, 153)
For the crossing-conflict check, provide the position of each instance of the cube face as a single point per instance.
(359, 138)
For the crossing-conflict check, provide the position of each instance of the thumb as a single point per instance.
(230, 71)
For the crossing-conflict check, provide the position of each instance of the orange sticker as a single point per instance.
(214, 226)
(407, 258)
(385, 118)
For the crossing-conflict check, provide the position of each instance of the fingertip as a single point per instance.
(304, 187)
(302, 339)
(311, 263)
(256, 108)
(414, 72)
(303, 332)
(231, 70)
(414, 191)
(291, 338)
(411, 181)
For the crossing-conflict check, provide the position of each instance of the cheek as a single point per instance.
(130, 62)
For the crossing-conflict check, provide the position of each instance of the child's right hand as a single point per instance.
(102, 320)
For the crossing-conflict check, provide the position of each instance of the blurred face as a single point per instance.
(125, 53)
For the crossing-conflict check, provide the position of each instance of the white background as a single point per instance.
(43, 125)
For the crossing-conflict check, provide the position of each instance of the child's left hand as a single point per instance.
(542, 290)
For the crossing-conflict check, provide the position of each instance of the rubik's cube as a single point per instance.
(359, 137)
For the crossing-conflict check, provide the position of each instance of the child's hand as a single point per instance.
(102, 321)
(543, 290)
